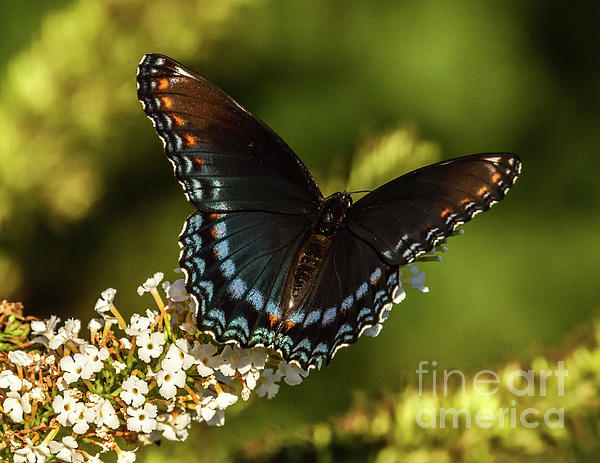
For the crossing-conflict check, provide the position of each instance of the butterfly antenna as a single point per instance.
(359, 191)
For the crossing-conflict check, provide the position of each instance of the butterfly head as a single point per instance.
(333, 212)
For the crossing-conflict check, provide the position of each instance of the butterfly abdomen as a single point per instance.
(307, 261)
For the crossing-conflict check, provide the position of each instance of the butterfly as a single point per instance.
(268, 259)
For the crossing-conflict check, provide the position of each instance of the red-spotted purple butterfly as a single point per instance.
(267, 258)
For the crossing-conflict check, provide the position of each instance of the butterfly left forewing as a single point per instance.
(406, 217)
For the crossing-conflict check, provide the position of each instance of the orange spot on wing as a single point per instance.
(483, 190)
(178, 120)
(376, 281)
(163, 83)
(273, 320)
(213, 232)
(496, 177)
(213, 216)
(167, 101)
(289, 325)
(190, 140)
(198, 162)
(465, 201)
(445, 213)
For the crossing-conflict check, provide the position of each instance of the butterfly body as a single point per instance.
(267, 258)
(306, 265)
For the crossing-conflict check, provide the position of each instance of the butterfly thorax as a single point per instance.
(316, 243)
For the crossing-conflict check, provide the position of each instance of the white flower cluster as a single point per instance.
(151, 383)
(68, 399)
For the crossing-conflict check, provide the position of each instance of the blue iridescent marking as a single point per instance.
(297, 317)
(196, 220)
(345, 328)
(198, 265)
(348, 302)
(240, 322)
(365, 311)
(220, 229)
(237, 288)
(272, 309)
(228, 268)
(362, 290)
(255, 298)
(321, 348)
(222, 249)
(313, 317)
(217, 315)
(381, 294)
(303, 345)
(329, 315)
(375, 276)
(208, 287)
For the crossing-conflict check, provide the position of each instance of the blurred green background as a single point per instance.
(88, 200)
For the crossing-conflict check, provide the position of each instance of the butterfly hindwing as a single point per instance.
(354, 287)
(225, 158)
(236, 265)
(406, 217)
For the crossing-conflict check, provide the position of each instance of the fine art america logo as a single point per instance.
(497, 389)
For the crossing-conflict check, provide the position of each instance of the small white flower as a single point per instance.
(31, 454)
(65, 450)
(19, 358)
(126, 456)
(15, 405)
(225, 399)
(235, 358)
(36, 394)
(205, 356)
(259, 357)
(63, 406)
(291, 373)
(174, 428)
(105, 414)
(134, 391)
(105, 301)
(50, 360)
(150, 284)
(142, 419)
(169, 381)
(57, 340)
(125, 343)
(44, 331)
(72, 328)
(80, 417)
(172, 363)
(268, 385)
(119, 366)
(150, 345)
(176, 291)
(66, 333)
(138, 325)
(8, 380)
(95, 325)
(24, 455)
(75, 367)
(250, 380)
(95, 358)
(181, 350)
(417, 280)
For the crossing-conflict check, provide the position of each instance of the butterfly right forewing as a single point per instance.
(406, 217)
